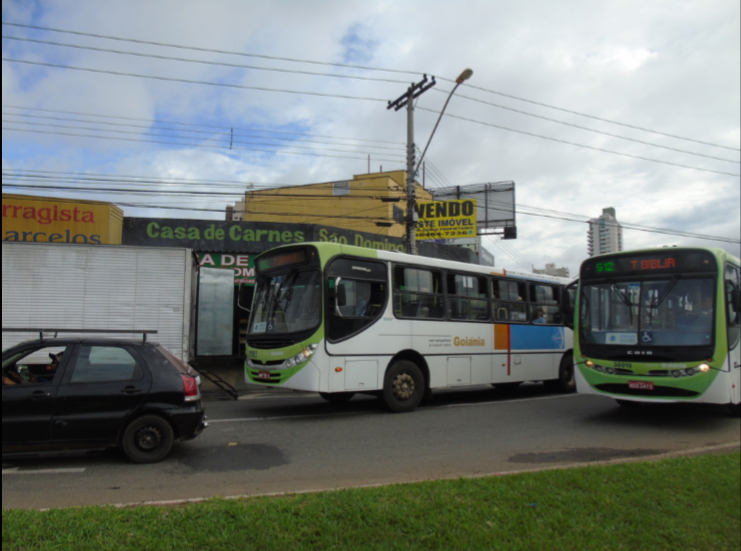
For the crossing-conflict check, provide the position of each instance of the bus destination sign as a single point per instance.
(648, 263)
(280, 260)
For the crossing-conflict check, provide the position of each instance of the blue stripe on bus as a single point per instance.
(536, 337)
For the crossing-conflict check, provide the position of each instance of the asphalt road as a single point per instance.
(290, 442)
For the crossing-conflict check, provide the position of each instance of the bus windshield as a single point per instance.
(674, 310)
(286, 302)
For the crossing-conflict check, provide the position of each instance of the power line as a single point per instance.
(196, 145)
(203, 62)
(367, 99)
(545, 214)
(593, 130)
(228, 145)
(583, 145)
(226, 133)
(396, 81)
(593, 117)
(220, 127)
(190, 81)
(212, 50)
(365, 68)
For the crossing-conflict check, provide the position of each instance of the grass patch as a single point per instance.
(682, 503)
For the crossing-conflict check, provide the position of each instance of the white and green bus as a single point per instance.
(660, 325)
(341, 320)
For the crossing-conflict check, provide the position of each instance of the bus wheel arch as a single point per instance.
(406, 382)
(566, 381)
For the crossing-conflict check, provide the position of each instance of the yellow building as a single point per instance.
(55, 220)
(372, 203)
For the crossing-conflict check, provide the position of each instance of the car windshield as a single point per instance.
(286, 303)
(674, 311)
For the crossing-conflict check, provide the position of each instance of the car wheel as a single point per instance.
(403, 387)
(147, 439)
(337, 397)
(566, 381)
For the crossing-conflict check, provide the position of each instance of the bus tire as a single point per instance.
(734, 410)
(403, 387)
(337, 397)
(566, 381)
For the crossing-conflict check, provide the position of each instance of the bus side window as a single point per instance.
(511, 304)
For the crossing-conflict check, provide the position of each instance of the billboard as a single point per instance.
(446, 219)
(495, 213)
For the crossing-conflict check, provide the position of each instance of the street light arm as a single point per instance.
(416, 169)
(465, 75)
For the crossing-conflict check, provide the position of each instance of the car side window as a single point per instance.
(34, 366)
(98, 364)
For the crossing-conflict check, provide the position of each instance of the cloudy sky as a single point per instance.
(584, 105)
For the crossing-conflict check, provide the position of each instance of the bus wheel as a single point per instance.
(566, 381)
(403, 387)
(337, 397)
(734, 410)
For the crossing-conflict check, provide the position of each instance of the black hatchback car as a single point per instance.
(87, 393)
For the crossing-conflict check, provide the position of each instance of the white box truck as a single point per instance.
(100, 287)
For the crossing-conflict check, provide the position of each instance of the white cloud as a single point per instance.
(663, 65)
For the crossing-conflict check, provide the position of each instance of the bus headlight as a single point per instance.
(301, 357)
(703, 367)
(589, 363)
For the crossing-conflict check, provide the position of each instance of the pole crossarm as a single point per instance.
(415, 90)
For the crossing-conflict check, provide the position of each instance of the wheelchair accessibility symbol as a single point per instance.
(646, 337)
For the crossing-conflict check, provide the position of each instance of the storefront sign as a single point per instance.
(51, 220)
(226, 236)
(242, 264)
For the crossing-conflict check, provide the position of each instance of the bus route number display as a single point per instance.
(687, 261)
(286, 259)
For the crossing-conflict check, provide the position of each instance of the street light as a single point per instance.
(465, 75)
(407, 99)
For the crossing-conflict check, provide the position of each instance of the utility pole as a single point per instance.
(407, 99)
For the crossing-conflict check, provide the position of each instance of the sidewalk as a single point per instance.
(231, 371)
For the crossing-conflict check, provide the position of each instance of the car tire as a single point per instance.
(566, 381)
(147, 439)
(337, 397)
(403, 387)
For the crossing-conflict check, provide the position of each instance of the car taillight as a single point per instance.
(190, 386)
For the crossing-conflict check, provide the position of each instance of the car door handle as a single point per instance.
(131, 390)
(39, 395)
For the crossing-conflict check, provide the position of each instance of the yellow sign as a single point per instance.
(51, 220)
(446, 219)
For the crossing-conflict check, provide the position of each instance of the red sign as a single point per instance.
(640, 385)
(654, 264)
(264, 375)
